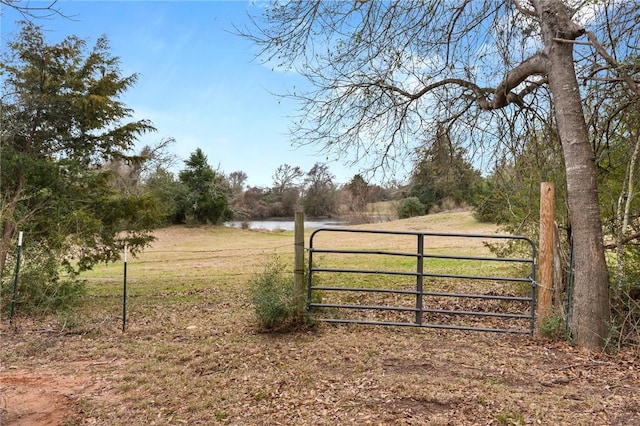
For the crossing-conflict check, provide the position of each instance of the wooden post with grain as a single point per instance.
(298, 271)
(545, 281)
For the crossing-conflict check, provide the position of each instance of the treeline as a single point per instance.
(443, 179)
(200, 194)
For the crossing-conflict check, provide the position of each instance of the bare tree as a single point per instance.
(237, 181)
(382, 74)
(613, 98)
(320, 191)
(286, 177)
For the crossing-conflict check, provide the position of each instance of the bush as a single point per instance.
(625, 327)
(40, 289)
(410, 207)
(554, 327)
(274, 302)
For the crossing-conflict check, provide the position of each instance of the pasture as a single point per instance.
(192, 354)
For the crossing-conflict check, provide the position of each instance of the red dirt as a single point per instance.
(37, 397)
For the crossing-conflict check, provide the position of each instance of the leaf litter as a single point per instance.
(194, 357)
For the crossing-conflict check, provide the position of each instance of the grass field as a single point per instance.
(192, 353)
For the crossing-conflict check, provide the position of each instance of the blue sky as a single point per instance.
(198, 82)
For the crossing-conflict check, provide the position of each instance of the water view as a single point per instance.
(284, 225)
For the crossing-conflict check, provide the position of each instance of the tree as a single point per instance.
(62, 120)
(320, 192)
(510, 194)
(443, 173)
(237, 180)
(383, 72)
(254, 204)
(130, 173)
(286, 177)
(358, 193)
(208, 192)
(619, 175)
(286, 189)
(170, 193)
(614, 120)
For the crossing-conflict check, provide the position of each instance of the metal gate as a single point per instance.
(362, 280)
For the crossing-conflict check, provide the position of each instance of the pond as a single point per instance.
(283, 225)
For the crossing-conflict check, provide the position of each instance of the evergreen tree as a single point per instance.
(443, 173)
(320, 198)
(207, 191)
(62, 119)
(359, 193)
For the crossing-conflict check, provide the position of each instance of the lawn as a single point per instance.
(192, 353)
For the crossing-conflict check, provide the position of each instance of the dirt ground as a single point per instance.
(336, 375)
(39, 398)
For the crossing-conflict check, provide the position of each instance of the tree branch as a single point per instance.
(624, 240)
(502, 94)
(535, 65)
(612, 62)
(29, 11)
(524, 10)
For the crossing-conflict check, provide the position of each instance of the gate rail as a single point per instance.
(420, 274)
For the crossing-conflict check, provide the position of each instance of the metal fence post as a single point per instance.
(124, 292)
(419, 278)
(15, 278)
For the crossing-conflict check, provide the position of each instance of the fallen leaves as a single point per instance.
(192, 356)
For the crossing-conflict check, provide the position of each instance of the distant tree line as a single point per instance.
(442, 179)
(200, 194)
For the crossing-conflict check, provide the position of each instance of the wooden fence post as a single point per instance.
(298, 272)
(545, 281)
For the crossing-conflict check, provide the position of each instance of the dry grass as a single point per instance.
(191, 355)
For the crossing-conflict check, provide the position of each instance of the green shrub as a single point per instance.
(274, 302)
(40, 289)
(554, 327)
(410, 207)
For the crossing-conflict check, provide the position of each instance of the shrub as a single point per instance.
(625, 326)
(553, 327)
(274, 302)
(410, 207)
(40, 289)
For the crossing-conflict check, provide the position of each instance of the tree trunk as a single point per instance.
(590, 312)
(5, 244)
